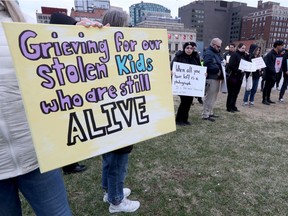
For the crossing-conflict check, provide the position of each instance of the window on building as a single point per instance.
(176, 46)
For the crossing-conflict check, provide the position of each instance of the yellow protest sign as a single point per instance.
(89, 91)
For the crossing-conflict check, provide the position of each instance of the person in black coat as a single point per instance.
(285, 76)
(235, 78)
(270, 71)
(188, 55)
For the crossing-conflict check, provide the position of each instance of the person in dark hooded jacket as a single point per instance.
(235, 79)
(285, 75)
(270, 71)
(254, 52)
(189, 55)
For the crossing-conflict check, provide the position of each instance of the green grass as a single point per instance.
(234, 166)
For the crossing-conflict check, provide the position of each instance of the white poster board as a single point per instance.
(246, 66)
(188, 79)
(223, 86)
(259, 63)
(278, 64)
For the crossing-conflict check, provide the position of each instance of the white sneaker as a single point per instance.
(281, 100)
(251, 103)
(245, 104)
(126, 205)
(126, 192)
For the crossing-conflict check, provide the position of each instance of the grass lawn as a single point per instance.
(234, 166)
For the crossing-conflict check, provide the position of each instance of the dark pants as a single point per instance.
(184, 107)
(283, 87)
(234, 86)
(278, 78)
(269, 83)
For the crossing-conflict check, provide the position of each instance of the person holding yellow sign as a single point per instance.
(19, 166)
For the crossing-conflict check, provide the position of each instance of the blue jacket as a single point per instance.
(212, 60)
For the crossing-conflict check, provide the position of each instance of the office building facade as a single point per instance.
(269, 22)
(139, 12)
(90, 5)
(212, 19)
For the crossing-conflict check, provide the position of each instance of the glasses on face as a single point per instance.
(217, 46)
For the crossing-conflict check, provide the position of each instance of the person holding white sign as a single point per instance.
(249, 94)
(19, 172)
(270, 71)
(235, 79)
(189, 55)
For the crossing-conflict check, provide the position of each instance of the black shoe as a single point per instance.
(271, 102)
(200, 101)
(74, 169)
(214, 116)
(265, 102)
(236, 110)
(183, 123)
(180, 123)
(230, 110)
(209, 119)
(187, 123)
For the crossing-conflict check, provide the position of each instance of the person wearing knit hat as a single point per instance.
(270, 71)
(188, 55)
(193, 44)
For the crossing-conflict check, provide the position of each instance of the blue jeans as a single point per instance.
(114, 170)
(45, 193)
(252, 92)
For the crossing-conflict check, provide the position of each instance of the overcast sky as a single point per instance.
(31, 6)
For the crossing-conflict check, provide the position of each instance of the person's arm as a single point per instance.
(284, 64)
(270, 63)
(60, 18)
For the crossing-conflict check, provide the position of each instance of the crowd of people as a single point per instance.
(214, 60)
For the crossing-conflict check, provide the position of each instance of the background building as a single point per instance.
(177, 34)
(269, 22)
(217, 18)
(90, 5)
(139, 12)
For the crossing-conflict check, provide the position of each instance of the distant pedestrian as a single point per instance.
(254, 52)
(212, 60)
(188, 55)
(228, 54)
(235, 78)
(270, 71)
(285, 76)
